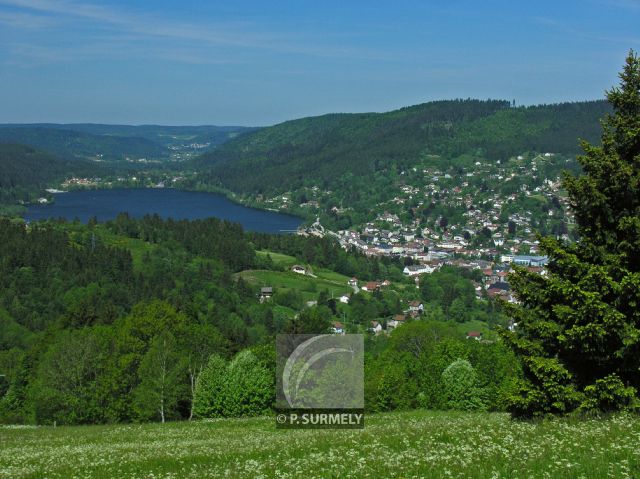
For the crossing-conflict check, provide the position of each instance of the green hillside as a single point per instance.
(76, 144)
(161, 134)
(307, 286)
(320, 150)
(24, 171)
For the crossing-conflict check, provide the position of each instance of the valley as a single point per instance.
(319, 239)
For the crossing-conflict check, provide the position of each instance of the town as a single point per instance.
(486, 229)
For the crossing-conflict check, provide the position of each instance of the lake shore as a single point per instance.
(173, 203)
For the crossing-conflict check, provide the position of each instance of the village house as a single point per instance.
(337, 328)
(266, 293)
(416, 307)
(296, 268)
(502, 276)
(528, 260)
(397, 320)
(413, 247)
(507, 258)
(498, 289)
(376, 327)
(416, 269)
(371, 286)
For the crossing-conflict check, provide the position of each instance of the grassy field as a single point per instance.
(136, 247)
(286, 261)
(402, 445)
(308, 286)
(278, 259)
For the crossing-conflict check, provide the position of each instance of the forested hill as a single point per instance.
(115, 142)
(161, 134)
(318, 150)
(77, 144)
(25, 170)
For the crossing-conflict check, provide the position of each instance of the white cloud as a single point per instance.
(142, 22)
(189, 42)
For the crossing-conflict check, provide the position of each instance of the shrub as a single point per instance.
(461, 388)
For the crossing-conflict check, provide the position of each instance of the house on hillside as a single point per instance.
(296, 268)
(371, 286)
(397, 320)
(416, 307)
(344, 299)
(337, 328)
(528, 260)
(376, 327)
(503, 277)
(266, 293)
(417, 269)
(474, 335)
(353, 282)
(506, 258)
(489, 276)
(498, 289)
(537, 269)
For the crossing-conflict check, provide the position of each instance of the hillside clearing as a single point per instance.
(308, 286)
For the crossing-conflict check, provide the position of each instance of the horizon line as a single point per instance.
(220, 125)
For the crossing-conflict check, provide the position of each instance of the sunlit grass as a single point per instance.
(279, 259)
(412, 444)
(307, 285)
(136, 247)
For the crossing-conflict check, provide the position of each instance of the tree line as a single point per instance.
(144, 319)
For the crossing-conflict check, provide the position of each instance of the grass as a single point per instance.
(308, 286)
(286, 261)
(136, 247)
(279, 259)
(330, 275)
(403, 445)
(476, 325)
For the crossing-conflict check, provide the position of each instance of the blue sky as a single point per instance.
(261, 62)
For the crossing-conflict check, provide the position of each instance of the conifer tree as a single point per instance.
(578, 328)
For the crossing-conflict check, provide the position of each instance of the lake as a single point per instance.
(166, 202)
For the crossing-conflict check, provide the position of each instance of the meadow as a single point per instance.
(413, 444)
(308, 286)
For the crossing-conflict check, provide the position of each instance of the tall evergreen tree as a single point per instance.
(578, 329)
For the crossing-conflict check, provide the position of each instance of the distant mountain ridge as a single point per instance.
(114, 142)
(317, 150)
(79, 145)
(24, 171)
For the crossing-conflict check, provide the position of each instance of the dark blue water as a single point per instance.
(166, 202)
